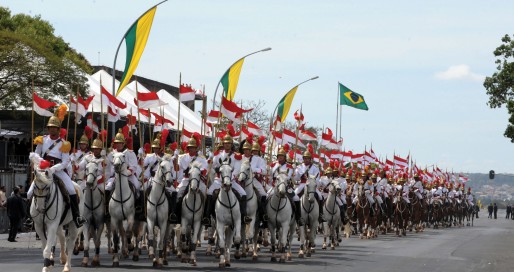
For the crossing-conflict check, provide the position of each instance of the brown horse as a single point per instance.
(401, 215)
(417, 211)
(362, 210)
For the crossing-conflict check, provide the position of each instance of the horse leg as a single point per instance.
(51, 237)
(62, 242)
(196, 231)
(85, 231)
(138, 237)
(72, 235)
(220, 229)
(151, 242)
(97, 236)
(273, 243)
(303, 229)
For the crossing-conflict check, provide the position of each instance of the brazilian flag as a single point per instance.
(351, 98)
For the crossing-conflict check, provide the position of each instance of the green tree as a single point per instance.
(500, 85)
(30, 52)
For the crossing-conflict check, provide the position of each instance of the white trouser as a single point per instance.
(405, 197)
(149, 184)
(300, 188)
(110, 183)
(259, 188)
(418, 194)
(338, 201)
(379, 199)
(470, 203)
(369, 196)
(217, 185)
(184, 183)
(68, 183)
(342, 199)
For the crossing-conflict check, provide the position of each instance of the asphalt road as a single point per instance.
(485, 247)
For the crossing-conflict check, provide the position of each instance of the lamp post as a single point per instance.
(217, 86)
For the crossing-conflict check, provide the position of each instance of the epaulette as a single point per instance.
(273, 164)
(65, 147)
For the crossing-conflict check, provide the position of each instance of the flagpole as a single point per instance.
(296, 135)
(101, 110)
(179, 105)
(68, 121)
(204, 115)
(76, 115)
(32, 129)
(337, 110)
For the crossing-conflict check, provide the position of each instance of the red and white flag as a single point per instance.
(255, 129)
(113, 115)
(389, 163)
(231, 110)
(186, 135)
(80, 105)
(289, 136)
(373, 155)
(400, 162)
(41, 105)
(92, 124)
(277, 135)
(357, 158)
(336, 155)
(148, 100)
(213, 117)
(298, 116)
(277, 124)
(186, 93)
(347, 156)
(109, 99)
(463, 179)
(307, 135)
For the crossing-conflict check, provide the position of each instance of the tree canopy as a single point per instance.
(500, 85)
(31, 52)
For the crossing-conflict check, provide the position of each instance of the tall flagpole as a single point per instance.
(337, 112)
(68, 121)
(204, 115)
(179, 105)
(76, 115)
(32, 129)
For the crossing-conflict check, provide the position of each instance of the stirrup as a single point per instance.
(79, 221)
(172, 219)
(206, 221)
(321, 219)
(265, 218)
(247, 219)
(300, 222)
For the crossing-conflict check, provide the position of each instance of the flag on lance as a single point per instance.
(213, 117)
(91, 123)
(231, 110)
(148, 100)
(463, 178)
(80, 105)
(186, 93)
(401, 162)
(255, 129)
(41, 105)
(307, 135)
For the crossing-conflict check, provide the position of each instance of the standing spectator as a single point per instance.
(15, 212)
(3, 198)
(495, 211)
(509, 211)
(490, 210)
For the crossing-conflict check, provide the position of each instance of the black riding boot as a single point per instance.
(321, 218)
(354, 213)
(172, 201)
(341, 212)
(74, 204)
(262, 212)
(242, 207)
(206, 220)
(371, 210)
(298, 214)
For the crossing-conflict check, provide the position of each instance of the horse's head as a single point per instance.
(226, 175)
(163, 173)
(281, 185)
(310, 188)
(93, 171)
(42, 172)
(245, 174)
(334, 187)
(119, 162)
(195, 174)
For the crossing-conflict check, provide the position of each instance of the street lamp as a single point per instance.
(217, 86)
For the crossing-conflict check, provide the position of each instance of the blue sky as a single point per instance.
(419, 64)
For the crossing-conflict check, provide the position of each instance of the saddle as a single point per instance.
(62, 188)
(216, 193)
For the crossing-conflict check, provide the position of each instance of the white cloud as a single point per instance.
(459, 72)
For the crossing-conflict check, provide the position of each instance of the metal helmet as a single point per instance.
(256, 147)
(192, 142)
(97, 143)
(307, 154)
(156, 143)
(119, 138)
(228, 139)
(328, 170)
(54, 122)
(84, 140)
(247, 145)
(282, 152)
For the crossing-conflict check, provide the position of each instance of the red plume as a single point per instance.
(310, 148)
(350, 172)
(336, 164)
(148, 148)
(44, 164)
(230, 129)
(291, 154)
(63, 133)
(103, 135)
(261, 140)
(164, 136)
(249, 139)
(198, 138)
(222, 134)
(263, 148)
(184, 146)
(128, 142)
(125, 131)
(88, 132)
(286, 148)
(174, 146)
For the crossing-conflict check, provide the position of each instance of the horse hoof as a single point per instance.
(332, 247)
(227, 264)
(183, 260)
(84, 264)
(95, 263)
(282, 260)
(273, 259)
(81, 247)
(244, 255)
(208, 253)
(308, 255)
(52, 263)
(300, 256)
(131, 248)
(144, 248)
(255, 258)
(151, 256)
(109, 250)
(165, 262)
(237, 256)
(135, 258)
(221, 265)
(116, 264)
(312, 251)
(265, 243)
(75, 251)
(289, 258)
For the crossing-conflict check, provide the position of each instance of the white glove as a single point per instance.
(210, 155)
(103, 153)
(140, 151)
(129, 173)
(200, 153)
(176, 152)
(50, 172)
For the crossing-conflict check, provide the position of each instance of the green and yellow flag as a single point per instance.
(231, 78)
(351, 98)
(135, 40)
(285, 104)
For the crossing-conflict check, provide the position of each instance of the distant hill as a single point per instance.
(477, 180)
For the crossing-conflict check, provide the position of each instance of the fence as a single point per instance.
(9, 179)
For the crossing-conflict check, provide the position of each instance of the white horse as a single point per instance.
(247, 179)
(280, 215)
(331, 214)
(49, 214)
(121, 207)
(228, 216)
(93, 210)
(157, 209)
(310, 215)
(192, 213)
